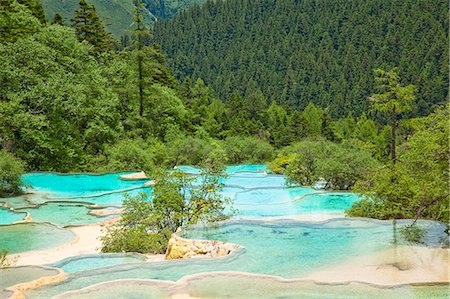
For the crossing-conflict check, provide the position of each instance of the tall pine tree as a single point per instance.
(89, 28)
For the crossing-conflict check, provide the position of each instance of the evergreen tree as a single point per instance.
(392, 98)
(58, 19)
(36, 9)
(89, 28)
(141, 33)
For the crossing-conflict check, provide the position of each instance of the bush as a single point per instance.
(243, 149)
(11, 169)
(188, 150)
(134, 155)
(339, 164)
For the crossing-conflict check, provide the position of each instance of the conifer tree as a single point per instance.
(36, 9)
(141, 32)
(58, 19)
(392, 98)
(89, 28)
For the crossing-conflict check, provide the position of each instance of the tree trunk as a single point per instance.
(141, 87)
(393, 134)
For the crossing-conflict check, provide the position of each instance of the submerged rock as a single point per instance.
(179, 248)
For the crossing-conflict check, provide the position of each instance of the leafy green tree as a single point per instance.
(16, 21)
(141, 33)
(277, 125)
(11, 170)
(339, 165)
(344, 128)
(393, 98)
(146, 225)
(417, 185)
(56, 106)
(242, 149)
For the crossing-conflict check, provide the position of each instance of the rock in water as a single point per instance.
(180, 248)
(134, 176)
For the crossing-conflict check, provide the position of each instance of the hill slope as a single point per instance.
(117, 14)
(319, 51)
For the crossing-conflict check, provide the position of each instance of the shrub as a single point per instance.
(245, 149)
(135, 154)
(11, 169)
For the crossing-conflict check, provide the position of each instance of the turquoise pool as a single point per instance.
(267, 225)
(8, 216)
(32, 236)
(295, 250)
(256, 194)
(92, 261)
(66, 185)
(63, 214)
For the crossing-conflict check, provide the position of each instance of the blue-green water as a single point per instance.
(62, 185)
(286, 248)
(63, 214)
(32, 236)
(8, 216)
(255, 193)
(87, 262)
(289, 249)
(13, 276)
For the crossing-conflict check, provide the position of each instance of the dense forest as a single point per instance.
(117, 15)
(324, 52)
(72, 100)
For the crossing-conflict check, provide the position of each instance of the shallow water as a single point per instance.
(259, 287)
(289, 249)
(285, 248)
(8, 217)
(63, 214)
(92, 261)
(32, 236)
(227, 285)
(13, 276)
(256, 194)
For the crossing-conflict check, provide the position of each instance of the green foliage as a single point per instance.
(133, 154)
(339, 165)
(393, 98)
(89, 28)
(312, 116)
(146, 225)
(417, 185)
(56, 106)
(16, 21)
(116, 15)
(11, 170)
(323, 52)
(36, 9)
(137, 230)
(240, 149)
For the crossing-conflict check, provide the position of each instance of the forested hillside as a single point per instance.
(304, 51)
(117, 14)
